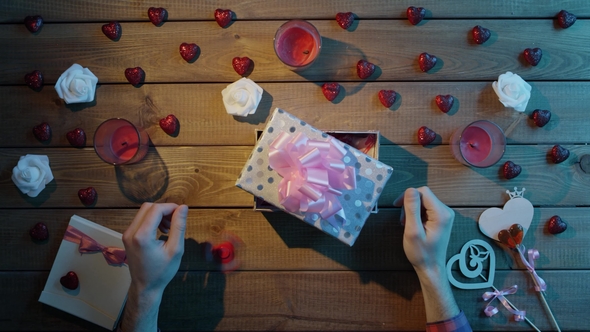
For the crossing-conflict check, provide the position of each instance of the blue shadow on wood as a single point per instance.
(194, 300)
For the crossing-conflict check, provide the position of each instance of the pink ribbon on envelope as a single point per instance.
(113, 255)
(313, 174)
(490, 310)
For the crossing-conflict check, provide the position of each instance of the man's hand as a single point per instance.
(428, 223)
(152, 262)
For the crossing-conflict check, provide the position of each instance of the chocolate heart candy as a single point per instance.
(517, 233)
(504, 237)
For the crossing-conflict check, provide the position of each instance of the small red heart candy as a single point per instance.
(39, 232)
(87, 196)
(415, 15)
(480, 34)
(559, 154)
(444, 103)
(565, 19)
(556, 225)
(345, 20)
(241, 65)
(331, 90)
(157, 15)
(42, 132)
(70, 280)
(426, 136)
(188, 51)
(135, 75)
(169, 124)
(34, 80)
(541, 117)
(517, 233)
(364, 69)
(533, 56)
(426, 61)
(387, 97)
(224, 252)
(223, 17)
(511, 170)
(77, 137)
(112, 30)
(33, 23)
(504, 237)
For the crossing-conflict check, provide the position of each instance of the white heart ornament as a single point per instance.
(516, 211)
(476, 252)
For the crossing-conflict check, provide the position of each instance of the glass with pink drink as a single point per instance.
(297, 43)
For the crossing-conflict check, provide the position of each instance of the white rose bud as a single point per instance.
(31, 174)
(242, 97)
(76, 85)
(512, 91)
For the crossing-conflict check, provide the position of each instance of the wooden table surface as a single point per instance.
(293, 276)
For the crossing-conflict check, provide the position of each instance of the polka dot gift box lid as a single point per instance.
(314, 177)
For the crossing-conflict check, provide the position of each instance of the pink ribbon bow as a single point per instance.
(540, 285)
(113, 255)
(490, 310)
(313, 174)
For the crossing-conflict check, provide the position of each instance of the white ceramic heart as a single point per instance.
(477, 257)
(516, 211)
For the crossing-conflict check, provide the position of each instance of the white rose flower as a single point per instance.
(242, 97)
(31, 174)
(76, 85)
(512, 91)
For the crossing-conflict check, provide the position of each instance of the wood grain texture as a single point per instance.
(393, 46)
(203, 120)
(276, 241)
(133, 10)
(197, 176)
(312, 301)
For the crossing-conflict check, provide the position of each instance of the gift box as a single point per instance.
(313, 176)
(95, 253)
(364, 141)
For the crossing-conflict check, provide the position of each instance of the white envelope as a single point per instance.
(102, 291)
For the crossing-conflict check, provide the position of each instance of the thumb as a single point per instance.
(412, 210)
(178, 228)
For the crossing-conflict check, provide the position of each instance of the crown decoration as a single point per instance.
(516, 194)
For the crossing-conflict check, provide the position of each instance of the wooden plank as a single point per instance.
(393, 46)
(203, 120)
(276, 241)
(197, 176)
(131, 10)
(384, 301)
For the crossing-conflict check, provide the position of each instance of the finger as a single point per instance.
(412, 207)
(430, 201)
(399, 201)
(436, 210)
(164, 228)
(153, 217)
(164, 225)
(138, 219)
(177, 229)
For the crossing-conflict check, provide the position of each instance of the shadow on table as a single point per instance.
(194, 299)
(145, 181)
(335, 58)
(378, 255)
